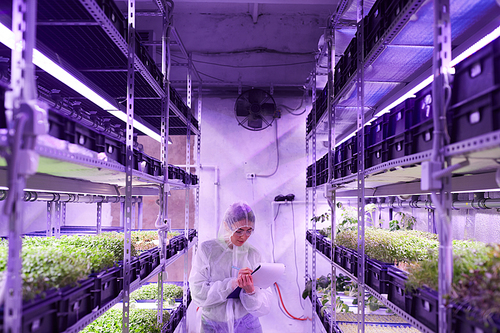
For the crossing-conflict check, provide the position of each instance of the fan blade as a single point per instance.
(242, 108)
(255, 122)
(268, 108)
(255, 96)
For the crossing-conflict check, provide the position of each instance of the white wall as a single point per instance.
(237, 151)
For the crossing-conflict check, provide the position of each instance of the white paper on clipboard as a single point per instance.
(267, 273)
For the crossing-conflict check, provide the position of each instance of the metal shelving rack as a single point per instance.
(417, 44)
(31, 162)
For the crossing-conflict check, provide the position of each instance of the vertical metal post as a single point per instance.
(330, 34)
(63, 214)
(313, 208)
(361, 165)
(128, 165)
(57, 226)
(48, 228)
(23, 85)
(198, 164)
(140, 213)
(307, 199)
(133, 224)
(430, 221)
(164, 188)
(99, 217)
(187, 190)
(440, 92)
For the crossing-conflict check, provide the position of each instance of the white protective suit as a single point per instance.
(213, 278)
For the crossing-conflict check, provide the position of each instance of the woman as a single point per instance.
(221, 265)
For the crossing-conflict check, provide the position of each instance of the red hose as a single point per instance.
(281, 299)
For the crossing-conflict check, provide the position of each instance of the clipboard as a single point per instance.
(263, 277)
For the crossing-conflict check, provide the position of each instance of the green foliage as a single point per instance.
(480, 287)
(349, 220)
(55, 263)
(467, 257)
(406, 222)
(387, 246)
(342, 282)
(150, 292)
(140, 320)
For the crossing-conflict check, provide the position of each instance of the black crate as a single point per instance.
(397, 293)
(77, 302)
(327, 248)
(393, 9)
(109, 285)
(187, 178)
(340, 153)
(398, 146)
(194, 179)
(400, 118)
(309, 236)
(376, 275)
(422, 112)
(309, 182)
(477, 74)
(112, 148)
(377, 131)
(338, 256)
(144, 268)
(421, 137)
(467, 320)
(339, 170)
(425, 307)
(351, 166)
(474, 117)
(351, 147)
(374, 155)
(38, 315)
(320, 243)
(375, 25)
(155, 257)
(350, 262)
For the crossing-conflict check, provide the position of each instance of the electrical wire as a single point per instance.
(295, 251)
(272, 235)
(277, 156)
(290, 110)
(284, 307)
(253, 66)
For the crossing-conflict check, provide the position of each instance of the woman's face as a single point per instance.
(242, 233)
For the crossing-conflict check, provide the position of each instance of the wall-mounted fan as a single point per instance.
(255, 109)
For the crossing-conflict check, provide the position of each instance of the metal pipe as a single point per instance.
(478, 204)
(216, 189)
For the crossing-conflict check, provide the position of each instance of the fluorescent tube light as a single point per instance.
(39, 59)
(477, 46)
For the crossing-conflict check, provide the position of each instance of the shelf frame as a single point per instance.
(381, 298)
(134, 285)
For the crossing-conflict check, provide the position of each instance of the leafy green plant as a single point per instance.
(480, 287)
(387, 246)
(406, 222)
(150, 292)
(140, 321)
(467, 257)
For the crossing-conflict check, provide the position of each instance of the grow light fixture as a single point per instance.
(50, 67)
(470, 51)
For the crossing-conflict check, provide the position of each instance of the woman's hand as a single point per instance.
(245, 280)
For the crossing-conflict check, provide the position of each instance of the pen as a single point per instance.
(236, 267)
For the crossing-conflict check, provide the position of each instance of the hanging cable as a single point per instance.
(290, 110)
(277, 156)
(295, 251)
(284, 307)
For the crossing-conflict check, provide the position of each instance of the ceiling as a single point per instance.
(236, 45)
